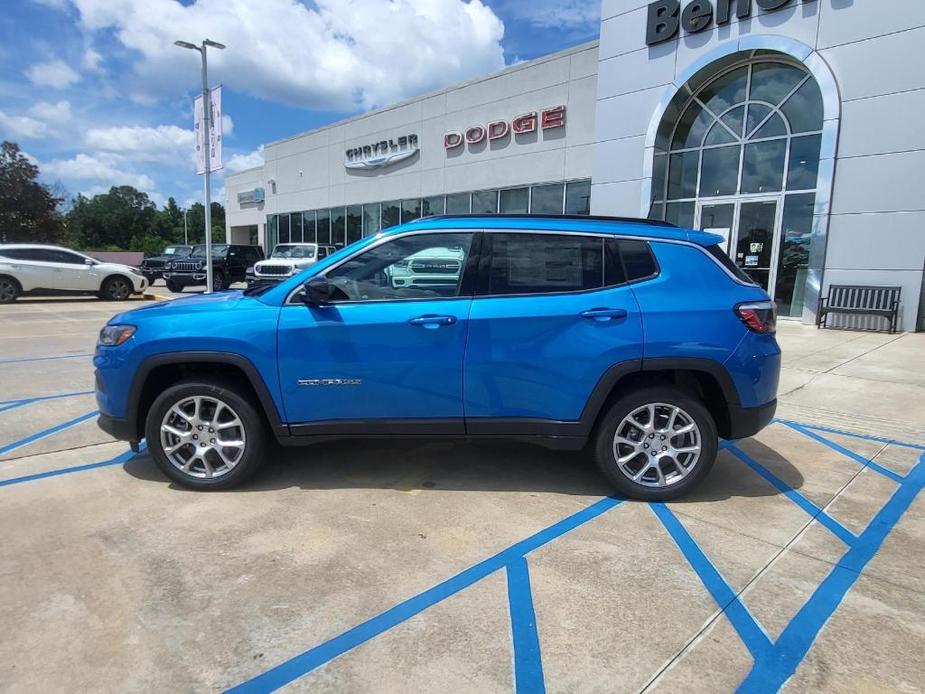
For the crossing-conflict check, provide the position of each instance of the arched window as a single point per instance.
(742, 158)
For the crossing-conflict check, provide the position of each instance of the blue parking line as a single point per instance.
(118, 460)
(842, 432)
(837, 529)
(867, 462)
(59, 356)
(305, 662)
(7, 405)
(32, 438)
(769, 674)
(528, 661)
(750, 631)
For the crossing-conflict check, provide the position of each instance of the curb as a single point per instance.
(155, 297)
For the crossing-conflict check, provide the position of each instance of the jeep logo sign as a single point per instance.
(666, 17)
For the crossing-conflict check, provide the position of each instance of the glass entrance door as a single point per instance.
(750, 228)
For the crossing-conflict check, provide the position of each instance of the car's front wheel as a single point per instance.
(9, 290)
(116, 289)
(205, 435)
(656, 443)
(174, 286)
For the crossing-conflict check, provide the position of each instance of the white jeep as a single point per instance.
(286, 260)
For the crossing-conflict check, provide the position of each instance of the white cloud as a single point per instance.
(332, 54)
(240, 162)
(98, 167)
(163, 143)
(91, 59)
(57, 113)
(55, 74)
(21, 126)
(227, 125)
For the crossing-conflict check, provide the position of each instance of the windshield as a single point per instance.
(293, 251)
(217, 249)
(176, 250)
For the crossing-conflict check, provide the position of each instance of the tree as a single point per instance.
(28, 209)
(197, 222)
(119, 219)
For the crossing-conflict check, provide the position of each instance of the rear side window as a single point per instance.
(638, 260)
(544, 263)
(727, 263)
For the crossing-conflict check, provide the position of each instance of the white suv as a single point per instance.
(286, 260)
(34, 268)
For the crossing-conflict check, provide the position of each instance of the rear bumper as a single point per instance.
(748, 421)
(118, 428)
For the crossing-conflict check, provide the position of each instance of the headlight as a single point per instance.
(115, 335)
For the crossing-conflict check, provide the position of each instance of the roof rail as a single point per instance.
(589, 217)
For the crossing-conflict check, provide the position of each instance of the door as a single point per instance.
(73, 272)
(552, 314)
(751, 229)
(386, 354)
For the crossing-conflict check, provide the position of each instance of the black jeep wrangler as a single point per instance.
(153, 268)
(230, 263)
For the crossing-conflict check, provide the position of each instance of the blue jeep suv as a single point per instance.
(636, 339)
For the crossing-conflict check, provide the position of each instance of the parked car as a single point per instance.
(38, 269)
(636, 337)
(286, 260)
(230, 263)
(153, 268)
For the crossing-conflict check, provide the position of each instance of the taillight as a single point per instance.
(760, 317)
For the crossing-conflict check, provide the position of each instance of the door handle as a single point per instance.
(431, 321)
(603, 314)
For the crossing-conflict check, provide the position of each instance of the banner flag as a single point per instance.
(215, 134)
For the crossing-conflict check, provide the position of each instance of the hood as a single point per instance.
(291, 262)
(194, 303)
(115, 267)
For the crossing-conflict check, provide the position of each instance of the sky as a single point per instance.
(95, 92)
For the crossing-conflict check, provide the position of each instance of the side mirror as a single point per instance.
(317, 292)
(89, 261)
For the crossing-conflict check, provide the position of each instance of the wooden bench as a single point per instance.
(860, 301)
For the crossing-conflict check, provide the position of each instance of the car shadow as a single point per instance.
(502, 466)
(45, 299)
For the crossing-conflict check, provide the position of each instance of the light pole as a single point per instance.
(185, 232)
(207, 125)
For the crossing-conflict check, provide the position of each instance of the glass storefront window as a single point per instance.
(514, 201)
(804, 109)
(578, 197)
(682, 175)
(432, 206)
(354, 223)
(391, 214)
(308, 227)
(272, 233)
(371, 219)
(485, 202)
(338, 226)
(793, 261)
(680, 213)
(283, 228)
(457, 203)
(719, 172)
(804, 162)
(547, 199)
(295, 227)
(410, 209)
(324, 226)
(763, 168)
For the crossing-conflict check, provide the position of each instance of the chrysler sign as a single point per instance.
(380, 154)
(499, 129)
(666, 17)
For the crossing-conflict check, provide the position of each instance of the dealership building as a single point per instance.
(790, 127)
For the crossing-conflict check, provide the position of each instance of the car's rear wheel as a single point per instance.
(116, 289)
(656, 443)
(174, 286)
(205, 435)
(9, 290)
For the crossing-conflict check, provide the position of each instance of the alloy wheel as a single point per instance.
(119, 289)
(7, 290)
(203, 437)
(657, 445)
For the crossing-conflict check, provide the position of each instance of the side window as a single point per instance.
(42, 255)
(544, 263)
(15, 253)
(422, 266)
(637, 259)
(65, 257)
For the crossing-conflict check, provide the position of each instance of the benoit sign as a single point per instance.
(666, 17)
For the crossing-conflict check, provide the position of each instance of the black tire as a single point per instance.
(696, 468)
(254, 430)
(10, 289)
(219, 281)
(116, 288)
(175, 286)
(151, 278)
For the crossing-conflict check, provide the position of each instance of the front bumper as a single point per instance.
(187, 277)
(748, 421)
(117, 427)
